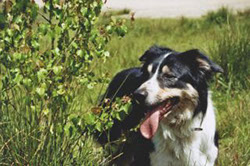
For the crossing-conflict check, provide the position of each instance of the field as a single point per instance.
(223, 36)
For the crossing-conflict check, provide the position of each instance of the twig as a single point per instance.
(6, 143)
(43, 16)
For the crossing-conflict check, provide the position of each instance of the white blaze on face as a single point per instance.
(152, 85)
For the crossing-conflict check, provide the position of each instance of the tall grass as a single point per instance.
(232, 51)
(28, 138)
(233, 125)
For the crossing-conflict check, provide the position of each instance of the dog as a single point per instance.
(172, 104)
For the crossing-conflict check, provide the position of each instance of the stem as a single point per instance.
(50, 20)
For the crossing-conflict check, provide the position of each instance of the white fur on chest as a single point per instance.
(185, 147)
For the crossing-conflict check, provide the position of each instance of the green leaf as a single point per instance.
(61, 90)
(27, 82)
(18, 20)
(84, 11)
(90, 118)
(17, 56)
(52, 128)
(99, 126)
(18, 78)
(109, 29)
(7, 39)
(10, 32)
(80, 53)
(122, 115)
(121, 31)
(106, 54)
(35, 44)
(69, 129)
(43, 28)
(90, 86)
(40, 91)
(57, 70)
(41, 74)
(58, 30)
(117, 116)
(109, 124)
(45, 111)
(75, 45)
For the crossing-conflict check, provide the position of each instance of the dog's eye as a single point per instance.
(169, 76)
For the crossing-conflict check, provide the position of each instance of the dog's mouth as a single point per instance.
(151, 122)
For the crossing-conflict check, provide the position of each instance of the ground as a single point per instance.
(174, 8)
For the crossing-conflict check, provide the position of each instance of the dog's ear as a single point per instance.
(196, 60)
(153, 53)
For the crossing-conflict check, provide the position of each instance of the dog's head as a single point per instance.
(176, 88)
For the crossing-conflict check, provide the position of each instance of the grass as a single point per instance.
(233, 124)
(221, 35)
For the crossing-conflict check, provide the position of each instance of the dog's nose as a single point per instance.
(140, 95)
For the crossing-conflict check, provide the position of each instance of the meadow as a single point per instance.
(221, 35)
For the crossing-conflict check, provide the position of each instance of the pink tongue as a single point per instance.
(149, 126)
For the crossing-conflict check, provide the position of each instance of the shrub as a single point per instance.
(221, 16)
(44, 56)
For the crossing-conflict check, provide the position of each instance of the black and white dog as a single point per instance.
(173, 106)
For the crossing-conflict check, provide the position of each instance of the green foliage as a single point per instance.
(38, 82)
(102, 117)
(221, 16)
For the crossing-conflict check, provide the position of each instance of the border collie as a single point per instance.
(173, 106)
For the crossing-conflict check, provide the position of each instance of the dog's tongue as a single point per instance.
(150, 125)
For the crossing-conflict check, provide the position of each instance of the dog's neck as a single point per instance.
(186, 142)
(184, 129)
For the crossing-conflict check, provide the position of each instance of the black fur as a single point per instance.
(136, 150)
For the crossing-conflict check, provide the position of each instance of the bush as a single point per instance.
(44, 56)
(221, 16)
